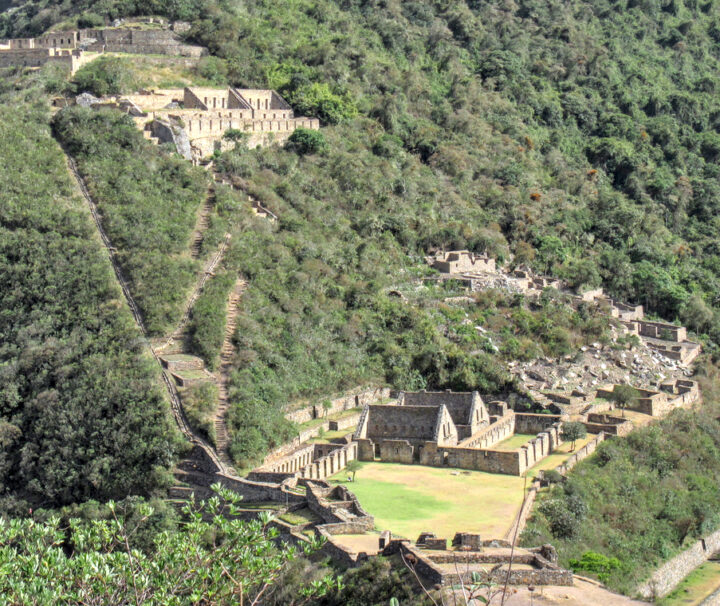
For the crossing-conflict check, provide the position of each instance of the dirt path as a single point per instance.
(223, 375)
(201, 226)
(175, 404)
(178, 335)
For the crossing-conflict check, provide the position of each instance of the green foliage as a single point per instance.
(148, 201)
(90, 20)
(318, 100)
(94, 561)
(206, 328)
(81, 412)
(595, 563)
(199, 403)
(306, 141)
(105, 75)
(660, 487)
(623, 396)
(573, 431)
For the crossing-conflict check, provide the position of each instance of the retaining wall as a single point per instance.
(669, 575)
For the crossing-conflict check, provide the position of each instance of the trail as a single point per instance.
(178, 335)
(175, 404)
(226, 357)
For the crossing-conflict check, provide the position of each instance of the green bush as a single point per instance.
(148, 200)
(105, 75)
(82, 414)
(595, 563)
(306, 141)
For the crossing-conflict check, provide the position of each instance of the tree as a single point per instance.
(353, 467)
(623, 395)
(306, 141)
(94, 562)
(573, 431)
(327, 405)
(237, 136)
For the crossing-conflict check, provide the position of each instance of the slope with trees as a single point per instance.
(81, 412)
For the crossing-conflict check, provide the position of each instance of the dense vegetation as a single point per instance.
(579, 137)
(81, 412)
(660, 490)
(99, 561)
(148, 201)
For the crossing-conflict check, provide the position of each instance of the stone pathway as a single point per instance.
(202, 224)
(227, 354)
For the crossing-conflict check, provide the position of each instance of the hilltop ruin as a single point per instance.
(75, 48)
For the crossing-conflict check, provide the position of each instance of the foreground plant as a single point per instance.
(213, 559)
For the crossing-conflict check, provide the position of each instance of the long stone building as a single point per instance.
(450, 429)
(201, 117)
(75, 48)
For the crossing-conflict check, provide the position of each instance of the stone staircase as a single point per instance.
(201, 226)
(227, 353)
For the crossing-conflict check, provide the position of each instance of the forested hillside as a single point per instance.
(574, 127)
(581, 137)
(576, 136)
(81, 411)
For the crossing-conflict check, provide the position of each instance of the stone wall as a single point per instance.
(581, 453)
(603, 423)
(388, 422)
(467, 410)
(667, 577)
(344, 423)
(492, 434)
(534, 423)
(662, 330)
(314, 461)
(354, 399)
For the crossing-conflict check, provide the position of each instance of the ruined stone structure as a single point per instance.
(675, 393)
(462, 261)
(446, 429)
(480, 273)
(488, 560)
(77, 47)
(310, 461)
(205, 115)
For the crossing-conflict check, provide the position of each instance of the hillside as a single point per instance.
(578, 137)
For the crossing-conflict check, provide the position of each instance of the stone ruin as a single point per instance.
(470, 559)
(75, 48)
(479, 273)
(196, 120)
(450, 429)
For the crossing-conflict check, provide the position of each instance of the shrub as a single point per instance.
(595, 563)
(305, 141)
(105, 75)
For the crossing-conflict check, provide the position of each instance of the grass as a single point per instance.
(514, 442)
(331, 435)
(558, 457)
(410, 499)
(694, 588)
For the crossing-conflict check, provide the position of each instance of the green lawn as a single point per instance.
(409, 499)
(694, 588)
(559, 456)
(514, 442)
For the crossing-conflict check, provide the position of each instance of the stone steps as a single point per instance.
(203, 222)
(222, 437)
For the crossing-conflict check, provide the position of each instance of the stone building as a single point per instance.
(205, 115)
(446, 429)
(77, 47)
(462, 261)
